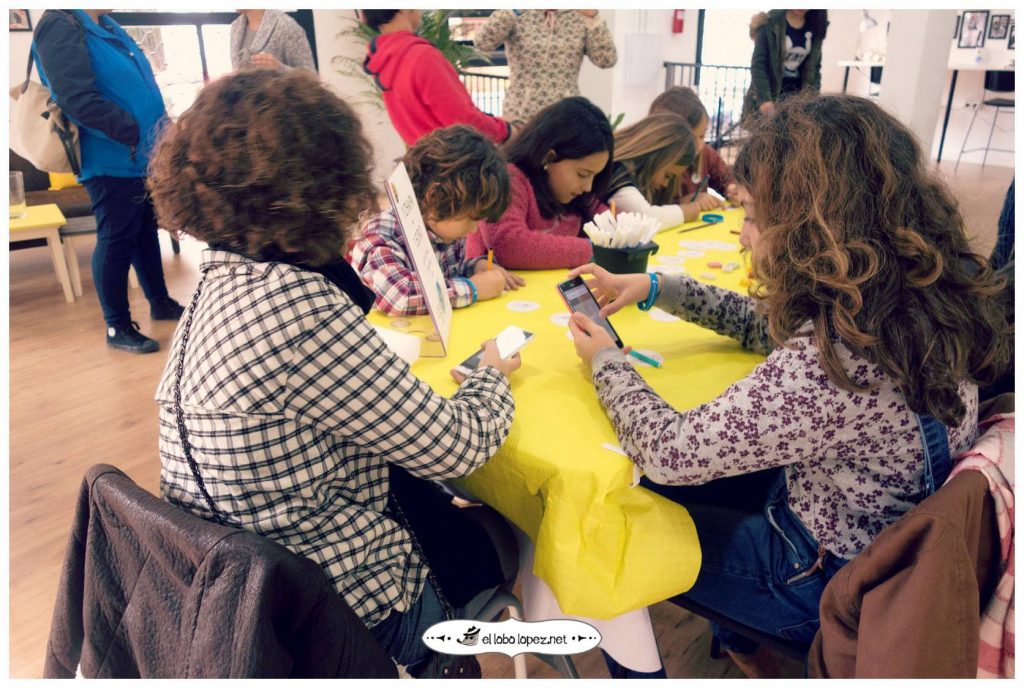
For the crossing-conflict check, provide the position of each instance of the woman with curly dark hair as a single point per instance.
(281, 409)
(878, 323)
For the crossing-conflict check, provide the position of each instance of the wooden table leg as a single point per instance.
(53, 241)
(72, 260)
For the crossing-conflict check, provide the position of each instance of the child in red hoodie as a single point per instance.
(422, 91)
(559, 167)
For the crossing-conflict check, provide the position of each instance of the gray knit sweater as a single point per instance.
(279, 35)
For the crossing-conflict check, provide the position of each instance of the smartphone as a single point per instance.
(509, 341)
(580, 299)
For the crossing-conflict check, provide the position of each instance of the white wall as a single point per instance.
(21, 42)
(915, 69)
(387, 144)
(644, 40)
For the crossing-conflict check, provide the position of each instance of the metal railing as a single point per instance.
(486, 90)
(721, 88)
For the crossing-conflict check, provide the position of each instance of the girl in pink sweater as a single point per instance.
(559, 167)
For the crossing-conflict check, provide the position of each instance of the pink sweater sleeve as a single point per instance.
(518, 245)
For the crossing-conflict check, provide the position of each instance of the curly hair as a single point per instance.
(457, 172)
(268, 164)
(860, 239)
(652, 144)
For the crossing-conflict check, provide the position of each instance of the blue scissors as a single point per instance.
(709, 219)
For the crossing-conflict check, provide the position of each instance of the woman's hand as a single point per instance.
(589, 337)
(266, 61)
(491, 357)
(614, 292)
(767, 107)
(588, 13)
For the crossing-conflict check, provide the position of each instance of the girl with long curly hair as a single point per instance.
(878, 322)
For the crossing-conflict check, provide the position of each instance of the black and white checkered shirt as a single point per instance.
(294, 407)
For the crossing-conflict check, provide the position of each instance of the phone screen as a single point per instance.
(580, 300)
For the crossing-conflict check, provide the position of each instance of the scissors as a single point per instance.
(709, 219)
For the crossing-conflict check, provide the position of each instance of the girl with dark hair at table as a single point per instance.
(559, 166)
(878, 322)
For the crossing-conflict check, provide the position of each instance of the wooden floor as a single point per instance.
(74, 402)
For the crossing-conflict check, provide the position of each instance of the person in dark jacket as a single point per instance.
(787, 56)
(102, 81)
(421, 90)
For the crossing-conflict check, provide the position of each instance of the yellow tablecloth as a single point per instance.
(602, 546)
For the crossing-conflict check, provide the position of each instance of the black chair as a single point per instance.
(999, 83)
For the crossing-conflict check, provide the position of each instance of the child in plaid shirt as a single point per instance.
(459, 178)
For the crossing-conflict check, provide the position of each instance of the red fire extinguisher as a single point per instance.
(677, 20)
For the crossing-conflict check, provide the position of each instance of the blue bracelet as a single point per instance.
(652, 295)
(472, 287)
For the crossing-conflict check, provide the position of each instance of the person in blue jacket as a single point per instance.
(102, 81)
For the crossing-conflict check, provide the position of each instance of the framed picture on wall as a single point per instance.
(999, 27)
(20, 21)
(1012, 30)
(972, 29)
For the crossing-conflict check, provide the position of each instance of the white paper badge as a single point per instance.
(523, 306)
(560, 319)
(669, 260)
(671, 270)
(663, 316)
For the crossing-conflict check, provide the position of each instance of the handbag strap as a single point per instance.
(28, 72)
(180, 413)
(399, 514)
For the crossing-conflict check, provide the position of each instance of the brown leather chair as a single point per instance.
(149, 590)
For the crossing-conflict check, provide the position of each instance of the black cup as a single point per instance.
(625, 260)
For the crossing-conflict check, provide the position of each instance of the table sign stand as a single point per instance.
(436, 328)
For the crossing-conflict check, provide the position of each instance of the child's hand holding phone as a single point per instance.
(589, 338)
(614, 292)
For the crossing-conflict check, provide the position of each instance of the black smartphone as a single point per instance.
(579, 298)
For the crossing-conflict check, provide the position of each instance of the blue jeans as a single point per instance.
(401, 633)
(758, 562)
(125, 235)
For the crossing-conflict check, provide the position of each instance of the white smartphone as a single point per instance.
(509, 341)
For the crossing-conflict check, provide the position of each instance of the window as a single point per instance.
(188, 49)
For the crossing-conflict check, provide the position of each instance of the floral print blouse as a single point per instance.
(545, 51)
(854, 462)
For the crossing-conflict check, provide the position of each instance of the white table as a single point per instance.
(856, 63)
